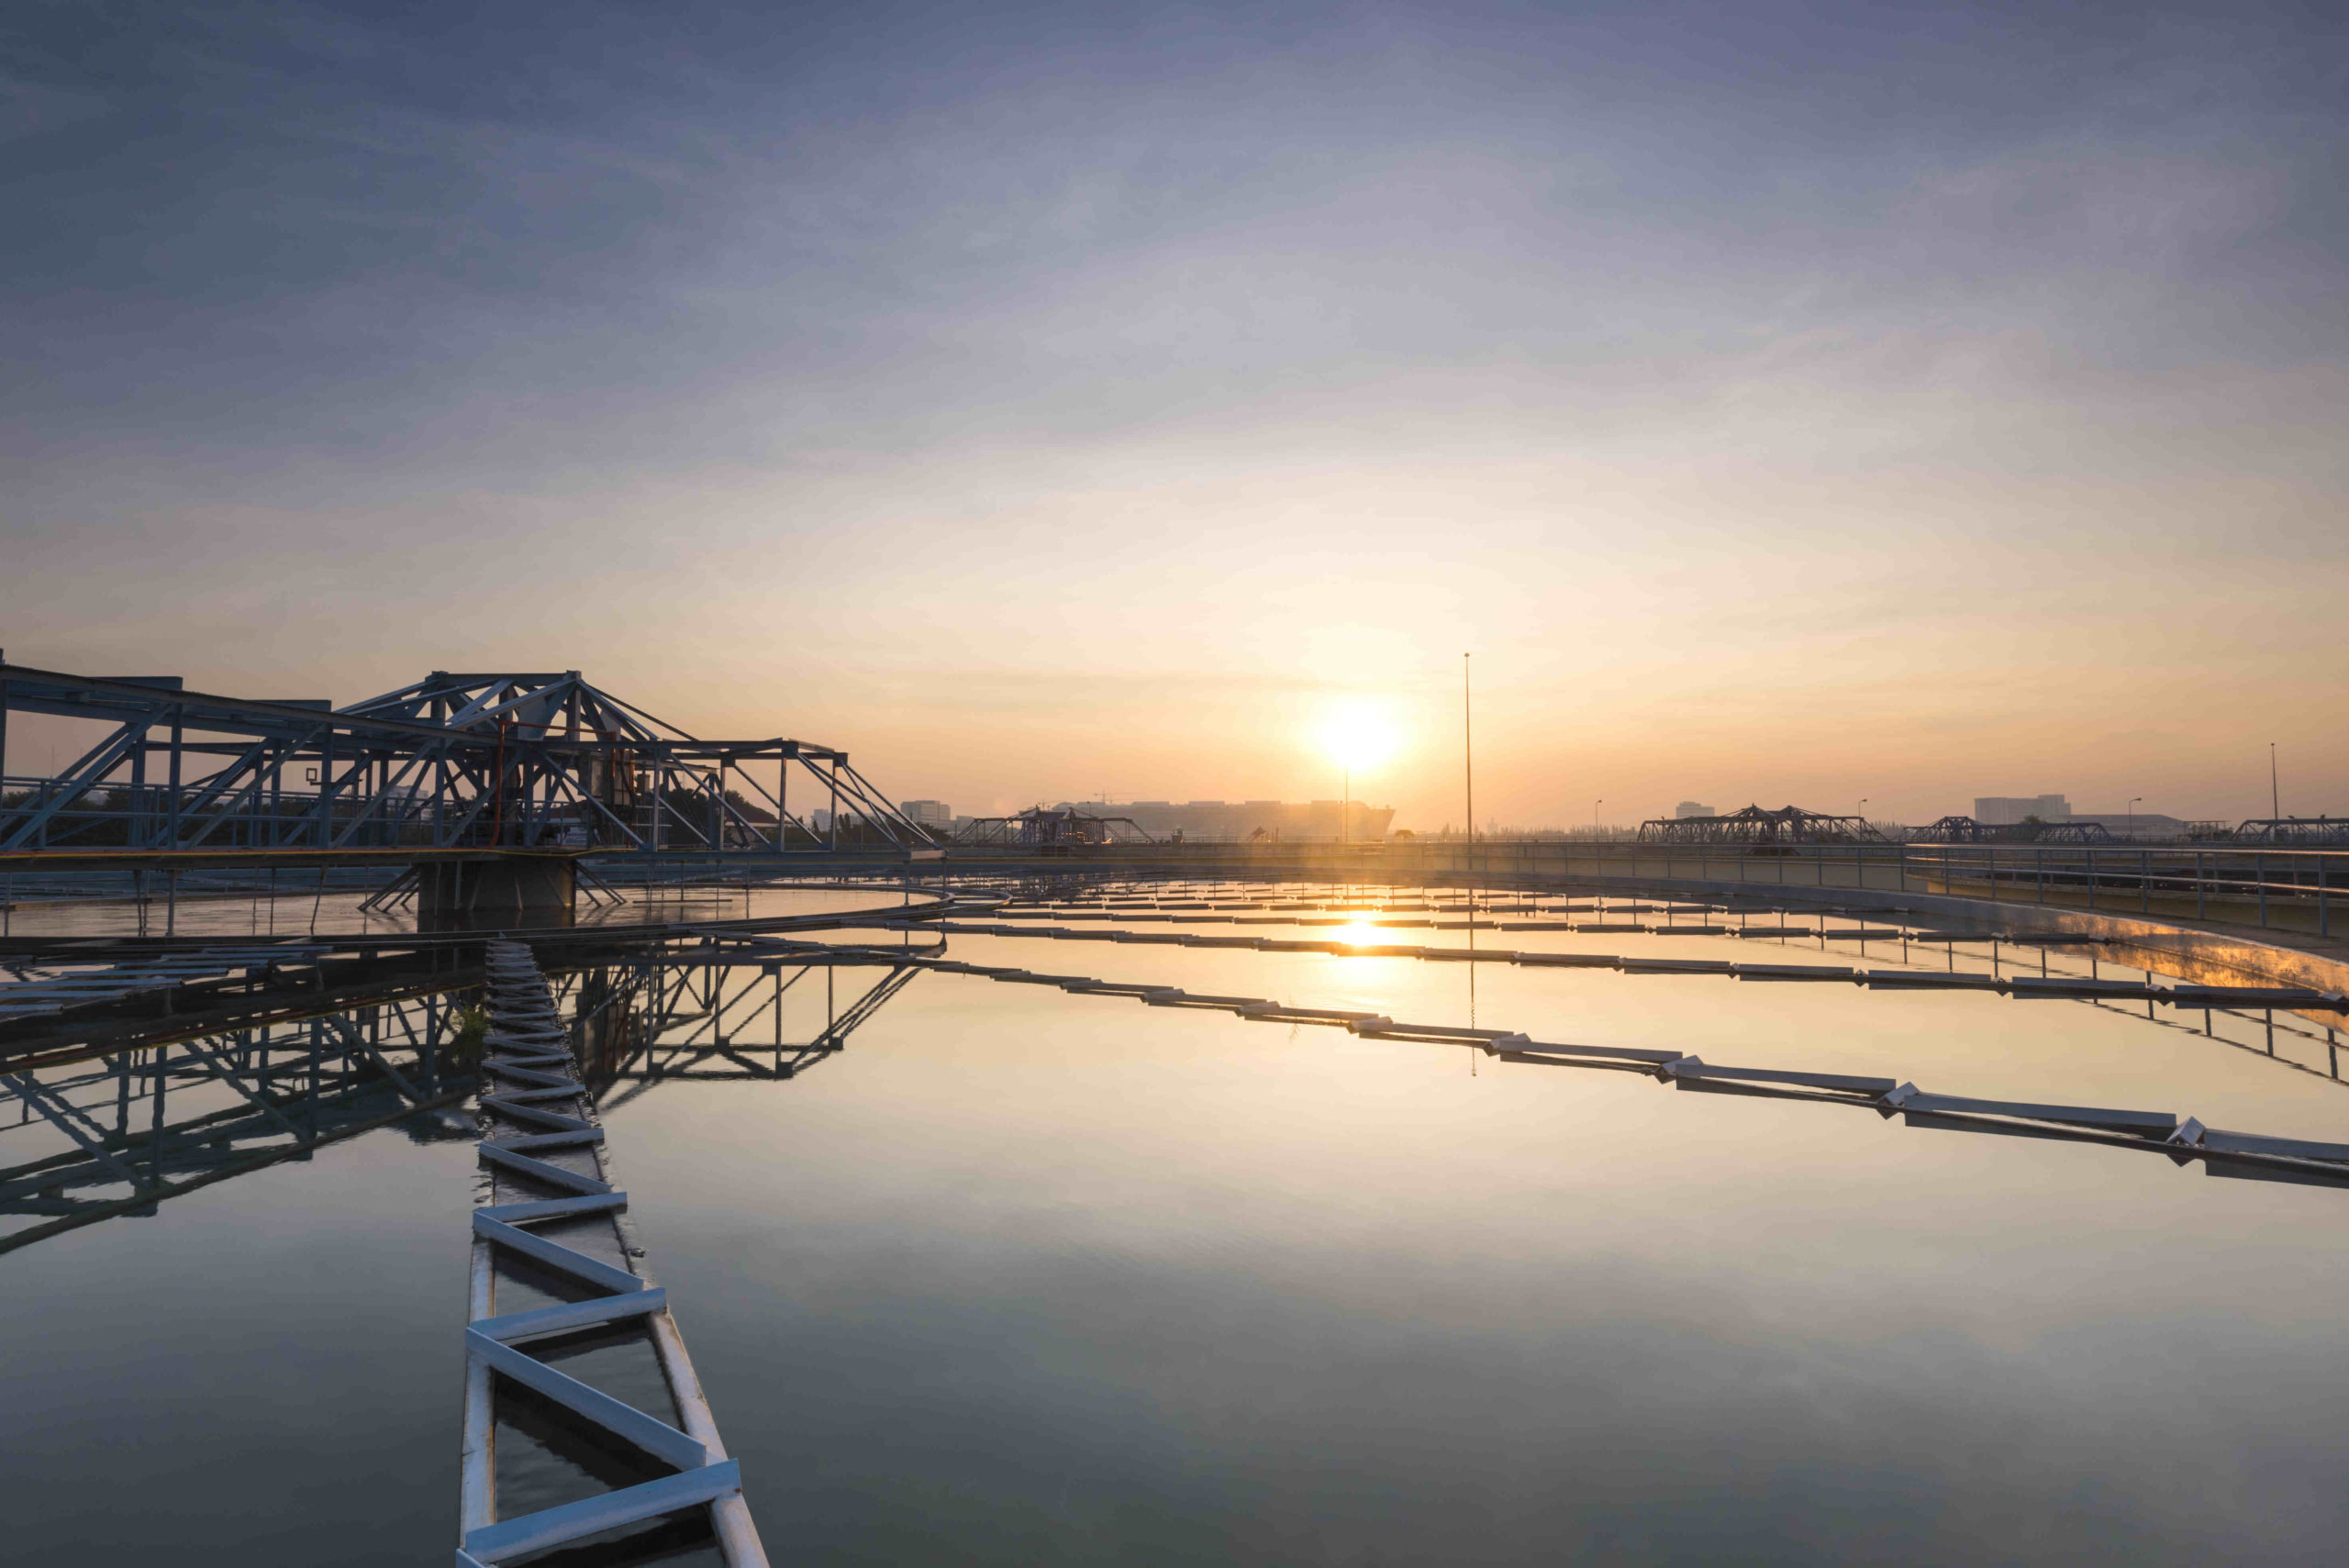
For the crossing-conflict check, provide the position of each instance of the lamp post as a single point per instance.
(2275, 794)
(1468, 754)
(2132, 813)
(1594, 814)
(1861, 811)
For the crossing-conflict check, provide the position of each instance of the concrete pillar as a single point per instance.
(497, 892)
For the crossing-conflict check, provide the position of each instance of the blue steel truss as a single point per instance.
(451, 762)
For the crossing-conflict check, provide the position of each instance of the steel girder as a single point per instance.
(1966, 830)
(1758, 826)
(452, 761)
(2293, 831)
(1038, 827)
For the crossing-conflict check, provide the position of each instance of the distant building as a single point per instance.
(929, 813)
(1228, 822)
(1691, 808)
(1999, 810)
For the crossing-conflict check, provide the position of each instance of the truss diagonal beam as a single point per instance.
(449, 763)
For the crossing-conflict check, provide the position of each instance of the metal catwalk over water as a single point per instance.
(2182, 1139)
(2068, 987)
(551, 1146)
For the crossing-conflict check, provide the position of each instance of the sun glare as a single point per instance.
(1360, 735)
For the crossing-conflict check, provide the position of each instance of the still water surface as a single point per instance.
(340, 910)
(1022, 1276)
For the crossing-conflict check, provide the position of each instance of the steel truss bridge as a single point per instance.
(2294, 830)
(1757, 828)
(1040, 828)
(1966, 830)
(132, 1125)
(450, 764)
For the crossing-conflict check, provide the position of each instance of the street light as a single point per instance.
(1468, 757)
(1861, 811)
(2133, 815)
(1594, 814)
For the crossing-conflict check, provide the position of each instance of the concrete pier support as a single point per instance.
(497, 891)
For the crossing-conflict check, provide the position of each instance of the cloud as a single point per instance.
(921, 362)
(29, 109)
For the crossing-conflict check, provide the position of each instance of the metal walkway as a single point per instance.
(2068, 987)
(2182, 1139)
(554, 1146)
(48, 989)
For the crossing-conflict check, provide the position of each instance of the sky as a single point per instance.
(1781, 403)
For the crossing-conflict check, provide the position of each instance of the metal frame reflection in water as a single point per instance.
(296, 1086)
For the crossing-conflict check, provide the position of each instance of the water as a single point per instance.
(337, 910)
(1022, 1276)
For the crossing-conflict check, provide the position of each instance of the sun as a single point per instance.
(1359, 735)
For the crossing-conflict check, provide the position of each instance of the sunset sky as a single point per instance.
(1782, 402)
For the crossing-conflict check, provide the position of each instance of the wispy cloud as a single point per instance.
(931, 370)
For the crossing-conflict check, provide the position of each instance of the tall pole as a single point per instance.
(1468, 755)
(2275, 797)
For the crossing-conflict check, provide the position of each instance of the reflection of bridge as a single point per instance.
(134, 1126)
(150, 1124)
(721, 1015)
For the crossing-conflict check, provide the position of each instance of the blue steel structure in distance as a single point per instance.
(449, 764)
